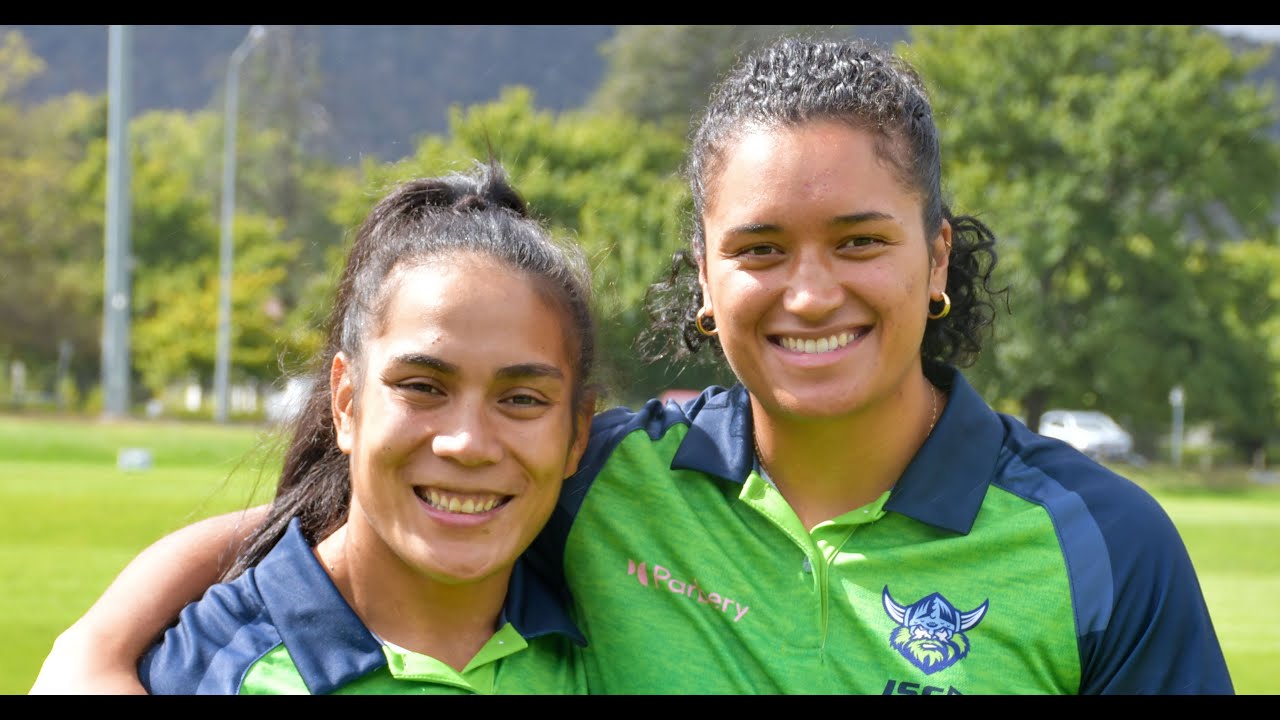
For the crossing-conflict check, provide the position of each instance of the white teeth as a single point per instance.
(468, 506)
(820, 345)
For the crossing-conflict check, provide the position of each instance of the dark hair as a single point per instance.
(795, 81)
(478, 212)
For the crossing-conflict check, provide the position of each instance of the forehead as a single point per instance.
(472, 311)
(821, 164)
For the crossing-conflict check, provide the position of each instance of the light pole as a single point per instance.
(116, 305)
(222, 365)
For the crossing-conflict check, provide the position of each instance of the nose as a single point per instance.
(813, 290)
(467, 438)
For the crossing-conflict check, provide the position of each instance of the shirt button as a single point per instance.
(807, 566)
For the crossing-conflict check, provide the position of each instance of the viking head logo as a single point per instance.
(931, 632)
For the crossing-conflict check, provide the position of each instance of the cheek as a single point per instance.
(905, 289)
(736, 294)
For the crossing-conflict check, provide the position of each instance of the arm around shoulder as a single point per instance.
(98, 654)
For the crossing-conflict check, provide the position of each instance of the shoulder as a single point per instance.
(214, 641)
(1141, 618)
(655, 419)
(1066, 480)
(643, 444)
(655, 416)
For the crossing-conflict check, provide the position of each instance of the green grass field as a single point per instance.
(70, 520)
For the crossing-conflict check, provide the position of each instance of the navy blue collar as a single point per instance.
(331, 646)
(943, 486)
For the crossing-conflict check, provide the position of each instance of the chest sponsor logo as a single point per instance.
(661, 578)
(931, 632)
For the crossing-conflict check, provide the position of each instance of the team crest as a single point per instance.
(931, 632)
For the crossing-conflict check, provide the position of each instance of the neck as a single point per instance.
(447, 621)
(828, 466)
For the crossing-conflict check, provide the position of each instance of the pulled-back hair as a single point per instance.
(796, 81)
(420, 220)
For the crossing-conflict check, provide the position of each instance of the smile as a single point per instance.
(821, 345)
(461, 504)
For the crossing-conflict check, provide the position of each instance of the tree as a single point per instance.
(177, 274)
(283, 148)
(1242, 389)
(608, 181)
(1106, 157)
(50, 246)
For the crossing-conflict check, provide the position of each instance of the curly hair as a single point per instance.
(855, 82)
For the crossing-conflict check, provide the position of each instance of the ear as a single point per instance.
(939, 259)
(342, 400)
(581, 437)
(706, 286)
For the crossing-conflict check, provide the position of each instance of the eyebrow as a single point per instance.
(444, 367)
(838, 221)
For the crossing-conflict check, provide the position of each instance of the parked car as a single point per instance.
(1092, 432)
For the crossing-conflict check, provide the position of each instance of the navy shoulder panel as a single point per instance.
(1142, 622)
(214, 642)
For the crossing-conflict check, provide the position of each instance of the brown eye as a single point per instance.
(862, 241)
(759, 251)
(525, 400)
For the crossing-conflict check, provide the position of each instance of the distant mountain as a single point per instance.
(383, 86)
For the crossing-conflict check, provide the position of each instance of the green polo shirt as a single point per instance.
(1002, 562)
(282, 627)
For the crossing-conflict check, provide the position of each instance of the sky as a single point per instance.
(1253, 32)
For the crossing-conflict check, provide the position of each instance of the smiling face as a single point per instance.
(459, 425)
(817, 270)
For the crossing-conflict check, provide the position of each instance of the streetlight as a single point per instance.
(222, 366)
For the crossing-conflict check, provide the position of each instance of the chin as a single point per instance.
(469, 567)
(463, 574)
(813, 403)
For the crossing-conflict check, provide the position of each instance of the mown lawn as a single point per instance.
(70, 520)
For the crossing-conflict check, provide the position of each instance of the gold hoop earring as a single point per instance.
(946, 307)
(703, 314)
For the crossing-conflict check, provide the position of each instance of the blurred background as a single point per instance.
(176, 200)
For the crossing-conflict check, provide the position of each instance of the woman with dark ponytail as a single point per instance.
(444, 415)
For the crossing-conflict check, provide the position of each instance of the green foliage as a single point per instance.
(1129, 171)
(50, 238)
(1112, 161)
(18, 64)
(1243, 282)
(175, 324)
(608, 181)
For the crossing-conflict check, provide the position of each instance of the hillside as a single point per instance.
(380, 86)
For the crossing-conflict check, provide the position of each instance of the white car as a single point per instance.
(1091, 432)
